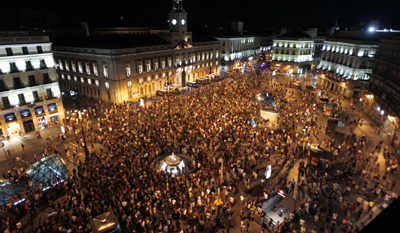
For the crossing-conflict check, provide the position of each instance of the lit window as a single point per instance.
(89, 81)
(211, 55)
(140, 68)
(95, 70)
(207, 56)
(61, 65)
(156, 78)
(73, 67)
(128, 70)
(169, 62)
(216, 54)
(66, 66)
(129, 83)
(141, 81)
(202, 56)
(97, 83)
(69, 77)
(82, 80)
(80, 67)
(156, 65)
(88, 68)
(62, 76)
(75, 79)
(163, 75)
(162, 64)
(148, 67)
(107, 85)
(148, 79)
(105, 71)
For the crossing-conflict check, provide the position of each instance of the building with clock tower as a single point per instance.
(120, 68)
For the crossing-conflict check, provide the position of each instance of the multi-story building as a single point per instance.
(101, 31)
(293, 52)
(347, 60)
(29, 91)
(239, 52)
(383, 103)
(266, 48)
(125, 68)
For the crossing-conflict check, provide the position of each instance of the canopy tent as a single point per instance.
(47, 172)
(105, 223)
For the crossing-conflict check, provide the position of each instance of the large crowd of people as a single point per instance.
(212, 125)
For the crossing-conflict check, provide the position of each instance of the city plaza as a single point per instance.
(223, 186)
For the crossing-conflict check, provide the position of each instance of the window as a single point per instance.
(25, 50)
(43, 64)
(9, 51)
(149, 88)
(141, 90)
(17, 83)
(129, 84)
(28, 65)
(211, 55)
(32, 80)
(98, 93)
(108, 95)
(130, 94)
(46, 78)
(39, 49)
(73, 66)
(97, 83)
(107, 85)
(49, 93)
(62, 76)
(193, 58)
(69, 77)
(141, 81)
(13, 67)
(140, 68)
(169, 62)
(202, 56)
(66, 65)
(149, 79)
(36, 96)
(89, 81)
(156, 77)
(128, 70)
(95, 70)
(162, 64)
(82, 80)
(163, 75)
(148, 67)
(105, 71)
(155, 65)
(88, 68)
(61, 64)
(75, 79)
(21, 99)
(198, 56)
(80, 67)
(366, 52)
(207, 56)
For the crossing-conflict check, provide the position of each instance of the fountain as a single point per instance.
(173, 164)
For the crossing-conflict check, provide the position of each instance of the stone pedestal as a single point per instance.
(271, 116)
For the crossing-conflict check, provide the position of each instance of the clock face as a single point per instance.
(183, 21)
(173, 21)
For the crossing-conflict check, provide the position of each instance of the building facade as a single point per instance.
(382, 104)
(102, 31)
(266, 48)
(239, 52)
(128, 68)
(29, 91)
(292, 52)
(345, 64)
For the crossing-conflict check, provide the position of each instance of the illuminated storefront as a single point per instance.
(13, 127)
(53, 114)
(41, 117)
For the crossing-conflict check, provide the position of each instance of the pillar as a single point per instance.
(19, 119)
(3, 125)
(34, 119)
(46, 111)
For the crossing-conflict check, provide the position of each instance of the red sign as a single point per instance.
(314, 161)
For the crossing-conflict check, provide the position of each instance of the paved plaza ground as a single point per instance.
(35, 146)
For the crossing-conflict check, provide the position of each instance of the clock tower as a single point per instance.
(178, 18)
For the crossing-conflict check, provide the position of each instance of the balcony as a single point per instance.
(18, 86)
(47, 81)
(29, 68)
(32, 84)
(3, 88)
(14, 70)
(43, 66)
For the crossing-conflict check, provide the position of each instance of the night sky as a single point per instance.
(258, 13)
